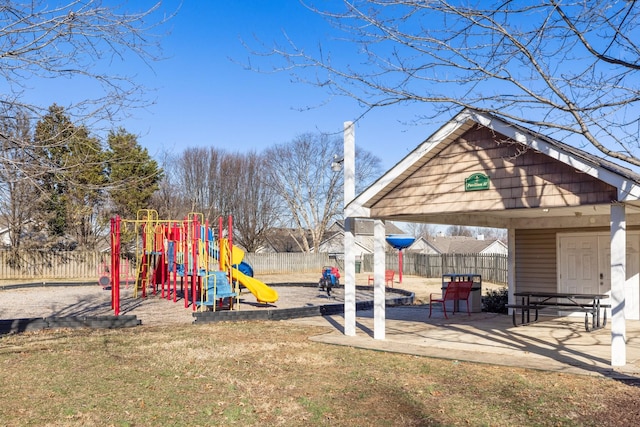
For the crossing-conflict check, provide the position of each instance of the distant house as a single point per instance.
(363, 236)
(282, 240)
(5, 237)
(30, 232)
(458, 245)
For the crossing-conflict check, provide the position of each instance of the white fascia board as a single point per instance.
(356, 206)
(354, 210)
(627, 190)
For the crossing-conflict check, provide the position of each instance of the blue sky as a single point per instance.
(204, 96)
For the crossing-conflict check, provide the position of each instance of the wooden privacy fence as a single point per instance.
(492, 267)
(52, 265)
(288, 262)
(88, 265)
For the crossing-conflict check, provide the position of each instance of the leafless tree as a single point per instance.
(84, 42)
(216, 183)
(567, 68)
(256, 207)
(170, 200)
(492, 233)
(199, 175)
(460, 230)
(426, 231)
(16, 196)
(300, 174)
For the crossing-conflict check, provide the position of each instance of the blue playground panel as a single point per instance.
(218, 286)
(244, 268)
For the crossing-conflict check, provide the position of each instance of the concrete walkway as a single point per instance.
(555, 344)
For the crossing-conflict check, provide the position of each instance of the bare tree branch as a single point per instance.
(93, 47)
(299, 172)
(568, 69)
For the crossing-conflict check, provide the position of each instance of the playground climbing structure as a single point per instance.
(183, 258)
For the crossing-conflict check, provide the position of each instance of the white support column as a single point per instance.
(618, 277)
(379, 293)
(511, 265)
(349, 239)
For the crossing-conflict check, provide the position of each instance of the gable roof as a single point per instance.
(461, 244)
(363, 235)
(334, 243)
(623, 179)
(364, 226)
(284, 240)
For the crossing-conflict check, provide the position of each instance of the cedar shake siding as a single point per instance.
(519, 178)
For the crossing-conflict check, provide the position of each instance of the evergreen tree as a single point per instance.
(134, 176)
(52, 134)
(85, 193)
(72, 177)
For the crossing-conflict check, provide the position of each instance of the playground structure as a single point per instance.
(208, 267)
(400, 242)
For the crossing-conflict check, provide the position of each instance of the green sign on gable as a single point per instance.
(477, 181)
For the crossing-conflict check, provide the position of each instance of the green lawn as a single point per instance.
(269, 373)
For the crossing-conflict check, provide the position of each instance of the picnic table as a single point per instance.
(535, 301)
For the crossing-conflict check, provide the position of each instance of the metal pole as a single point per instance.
(349, 239)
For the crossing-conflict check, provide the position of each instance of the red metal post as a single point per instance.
(207, 248)
(174, 239)
(144, 282)
(194, 268)
(115, 265)
(220, 243)
(113, 262)
(184, 284)
(116, 281)
(230, 239)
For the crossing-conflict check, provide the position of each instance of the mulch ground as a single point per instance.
(51, 300)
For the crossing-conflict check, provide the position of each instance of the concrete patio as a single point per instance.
(554, 344)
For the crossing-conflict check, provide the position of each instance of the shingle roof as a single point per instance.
(459, 244)
(364, 226)
(576, 152)
(624, 179)
(285, 240)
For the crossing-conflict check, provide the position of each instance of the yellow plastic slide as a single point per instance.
(262, 292)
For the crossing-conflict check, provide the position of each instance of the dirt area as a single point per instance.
(90, 300)
(420, 286)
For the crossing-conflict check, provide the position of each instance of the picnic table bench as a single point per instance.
(535, 301)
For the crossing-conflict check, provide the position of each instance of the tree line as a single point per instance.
(289, 185)
(60, 184)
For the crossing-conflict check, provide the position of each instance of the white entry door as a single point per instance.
(585, 267)
(578, 263)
